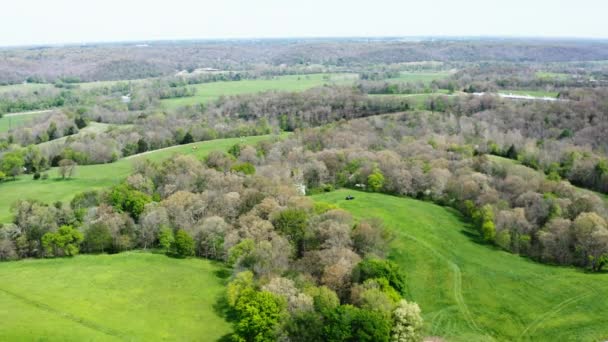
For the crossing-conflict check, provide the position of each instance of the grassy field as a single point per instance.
(422, 77)
(24, 87)
(469, 291)
(13, 121)
(91, 177)
(535, 93)
(132, 296)
(206, 92)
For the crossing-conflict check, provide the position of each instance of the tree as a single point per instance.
(67, 167)
(65, 242)
(245, 168)
(183, 245)
(349, 323)
(407, 323)
(97, 238)
(165, 239)
(591, 240)
(124, 198)
(12, 164)
(259, 315)
(187, 139)
(376, 180)
(371, 268)
(292, 223)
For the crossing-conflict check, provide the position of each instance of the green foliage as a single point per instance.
(375, 180)
(292, 223)
(372, 268)
(348, 323)
(165, 239)
(2, 176)
(305, 326)
(12, 163)
(324, 298)
(124, 198)
(241, 282)
(235, 150)
(183, 244)
(259, 315)
(66, 241)
(97, 238)
(323, 207)
(245, 168)
(242, 253)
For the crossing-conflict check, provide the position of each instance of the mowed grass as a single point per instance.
(206, 92)
(132, 296)
(94, 177)
(470, 291)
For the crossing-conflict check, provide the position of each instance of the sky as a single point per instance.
(33, 22)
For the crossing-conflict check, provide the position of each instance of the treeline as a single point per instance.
(302, 271)
(123, 61)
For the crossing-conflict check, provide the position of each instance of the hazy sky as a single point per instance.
(60, 21)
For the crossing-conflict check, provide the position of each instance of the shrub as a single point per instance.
(371, 268)
(183, 245)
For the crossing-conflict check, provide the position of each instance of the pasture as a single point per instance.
(8, 122)
(419, 77)
(470, 291)
(206, 92)
(132, 296)
(95, 177)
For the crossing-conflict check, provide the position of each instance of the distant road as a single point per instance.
(29, 113)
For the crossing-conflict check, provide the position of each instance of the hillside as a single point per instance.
(92, 177)
(470, 291)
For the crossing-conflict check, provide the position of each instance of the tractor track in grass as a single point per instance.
(457, 284)
(78, 320)
(532, 327)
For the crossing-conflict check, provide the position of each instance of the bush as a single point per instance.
(36, 175)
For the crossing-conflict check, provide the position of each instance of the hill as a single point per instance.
(469, 291)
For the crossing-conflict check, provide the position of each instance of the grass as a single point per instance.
(469, 291)
(558, 76)
(535, 93)
(206, 92)
(14, 121)
(422, 77)
(132, 296)
(29, 87)
(94, 177)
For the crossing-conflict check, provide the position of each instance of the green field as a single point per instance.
(469, 291)
(416, 77)
(206, 92)
(24, 87)
(14, 121)
(132, 296)
(91, 177)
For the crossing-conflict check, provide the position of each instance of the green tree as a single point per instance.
(66, 241)
(12, 164)
(165, 239)
(375, 268)
(348, 323)
(245, 168)
(260, 314)
(97, 238)
(375, 180)
(292, 223)
(183, 245)
(124, 198)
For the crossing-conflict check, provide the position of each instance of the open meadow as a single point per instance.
(470, 291)
(132, 296)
